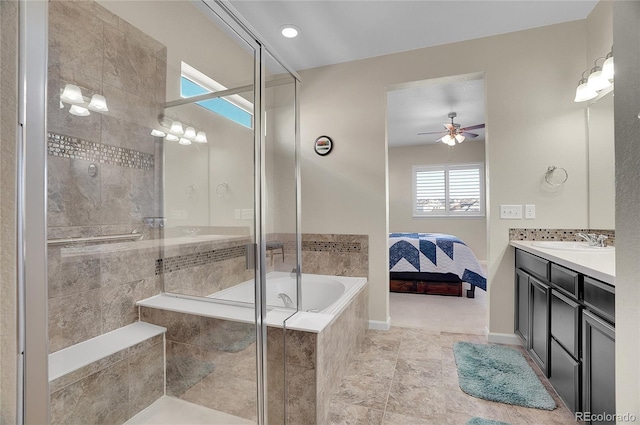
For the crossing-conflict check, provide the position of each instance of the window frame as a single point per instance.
(446, 213)
(208, 84)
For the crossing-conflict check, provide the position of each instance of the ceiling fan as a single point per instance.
(455, 133)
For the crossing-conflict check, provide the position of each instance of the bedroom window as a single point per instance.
(234, 107)
(451, 190)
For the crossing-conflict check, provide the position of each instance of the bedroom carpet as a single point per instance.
(498, 373)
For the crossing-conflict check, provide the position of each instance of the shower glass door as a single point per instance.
(156, 223)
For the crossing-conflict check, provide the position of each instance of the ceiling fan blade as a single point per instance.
(467, 134)
(433, 132)
(449, 127)
(473, 127)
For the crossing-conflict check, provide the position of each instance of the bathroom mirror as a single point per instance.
(601, 162)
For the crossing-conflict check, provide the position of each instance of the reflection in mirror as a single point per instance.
(601, 162)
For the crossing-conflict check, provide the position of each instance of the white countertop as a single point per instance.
(599, 265)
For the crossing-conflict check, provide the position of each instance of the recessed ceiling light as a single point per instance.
(289, 31)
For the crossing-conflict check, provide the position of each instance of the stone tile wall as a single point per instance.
(101, 53)
(210, 362)
(327, 254)
(558, 234)
(112, 390)
(8, 119)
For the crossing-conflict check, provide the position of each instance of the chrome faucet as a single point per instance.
(286, 300)
(593, 239)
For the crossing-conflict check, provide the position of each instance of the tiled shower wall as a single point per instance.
(90, 294)
(8, 119)
(327, 254)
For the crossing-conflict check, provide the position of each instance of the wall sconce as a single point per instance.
(600, 78)
(174, 131)
(81, 105)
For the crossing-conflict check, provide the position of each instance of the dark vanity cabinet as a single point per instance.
(532, 306)
(565, 320)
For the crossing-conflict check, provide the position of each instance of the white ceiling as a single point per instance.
(424, 109)
(340, 31)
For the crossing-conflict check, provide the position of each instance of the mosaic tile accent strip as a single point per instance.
(74, 148)
(558, 234)
(331, 246)
(179, 262)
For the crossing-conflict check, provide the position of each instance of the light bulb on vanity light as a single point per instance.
(596, 80)
(190, 133)
(72, 94)
(201, 137)
(184, 141)
(176, 128)
(607, 66)
(172, 138)
(158, 133)
(78, 111)
(98, 103)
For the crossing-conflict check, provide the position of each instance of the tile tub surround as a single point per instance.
(110, 390)
(206, 355)
(558, 235)
(315, 363)
(326, 254)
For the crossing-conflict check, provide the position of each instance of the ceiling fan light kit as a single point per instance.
(454, 132)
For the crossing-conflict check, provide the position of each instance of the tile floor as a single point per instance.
(408, 375)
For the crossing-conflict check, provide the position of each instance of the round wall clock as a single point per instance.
(323, 145)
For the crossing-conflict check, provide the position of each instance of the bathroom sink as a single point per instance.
(571, 246)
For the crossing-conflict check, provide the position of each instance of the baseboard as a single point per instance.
(497, 338)
(379, 325)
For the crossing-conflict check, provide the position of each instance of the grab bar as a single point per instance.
(108, 238)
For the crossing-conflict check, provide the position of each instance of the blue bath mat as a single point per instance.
(483, 421)
(501, 374)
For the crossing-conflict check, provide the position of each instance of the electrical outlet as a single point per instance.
(529, 212)
(511, 212)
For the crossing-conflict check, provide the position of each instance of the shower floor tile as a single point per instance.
(172, 411)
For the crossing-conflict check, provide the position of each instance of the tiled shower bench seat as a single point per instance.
(109, 378)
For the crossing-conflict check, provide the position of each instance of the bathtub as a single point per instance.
(320, 293)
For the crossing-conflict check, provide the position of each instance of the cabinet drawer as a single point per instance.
(600, 297)
(565, 279)
(565, 376)
(565, 322)
(534, 265)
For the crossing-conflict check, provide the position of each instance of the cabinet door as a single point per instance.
(522, 307)
(598, 376)
(565, 322)
(539, 315)
(565, 376)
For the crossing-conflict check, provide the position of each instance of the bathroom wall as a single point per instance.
(347, 102)
(626, 34)
(92, 292)
(472, 230)
(8, 120)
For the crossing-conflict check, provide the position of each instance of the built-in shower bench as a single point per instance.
(113, 376)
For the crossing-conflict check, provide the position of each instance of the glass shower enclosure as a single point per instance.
(172, 200)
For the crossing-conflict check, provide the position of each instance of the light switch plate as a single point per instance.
(529, 212)
(511, 212)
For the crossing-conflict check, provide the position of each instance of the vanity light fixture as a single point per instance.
(583, 92)
(174, 131)
(600, 77)
(607, 66)
(289, 31)
(80, 105)
(78, 111)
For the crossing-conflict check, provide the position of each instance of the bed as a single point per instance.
(433, 263)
